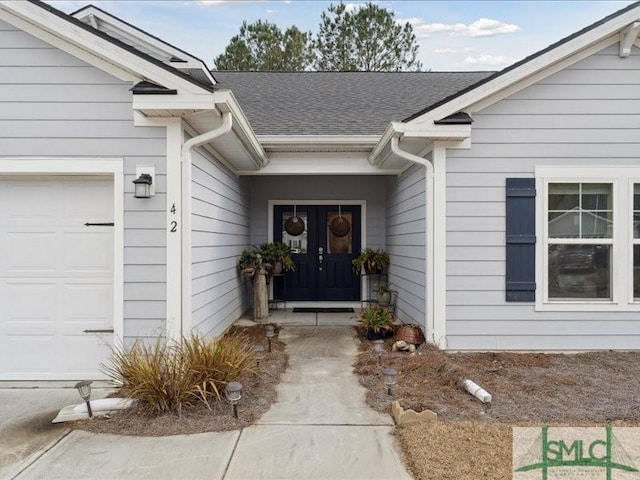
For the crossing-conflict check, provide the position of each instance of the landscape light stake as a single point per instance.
(270, 331)
(378, 346)
(233, 392)
(258, 350)
(390, 375)
(84, 389)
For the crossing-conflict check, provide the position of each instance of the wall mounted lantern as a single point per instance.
(143, 186)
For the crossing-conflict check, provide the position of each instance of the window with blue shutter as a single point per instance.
(521, 240)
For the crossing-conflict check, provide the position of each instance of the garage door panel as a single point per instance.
(30, 200)
(30, 252)
(84, 307)
(31, 309)
(88, 252)
(31, 353)
(98, 209)
(73, 361)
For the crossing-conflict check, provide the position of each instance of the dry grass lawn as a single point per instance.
(471, 440)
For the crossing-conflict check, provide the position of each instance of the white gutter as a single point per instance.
(186, 161)
(431, 333)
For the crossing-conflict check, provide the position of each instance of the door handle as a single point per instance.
(104, 330)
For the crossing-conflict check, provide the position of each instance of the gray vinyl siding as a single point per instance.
(371, 189)
(54, 105)
(588, 114)
(219, 233)
(406, 224)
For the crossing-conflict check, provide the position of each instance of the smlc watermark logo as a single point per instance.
(549, 453)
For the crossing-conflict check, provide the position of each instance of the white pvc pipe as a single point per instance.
(477, 391)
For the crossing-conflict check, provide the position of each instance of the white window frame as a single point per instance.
(622, 180)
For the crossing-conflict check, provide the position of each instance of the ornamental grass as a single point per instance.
(164, 377)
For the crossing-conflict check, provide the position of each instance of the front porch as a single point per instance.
(385, 211)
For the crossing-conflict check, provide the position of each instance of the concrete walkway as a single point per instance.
(320, 428)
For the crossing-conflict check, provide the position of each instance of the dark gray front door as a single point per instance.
(322, 252)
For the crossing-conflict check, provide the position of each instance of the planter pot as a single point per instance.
(381, 335)
(277, 268)
(384, 298)
(369, 270)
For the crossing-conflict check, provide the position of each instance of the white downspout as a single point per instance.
(430, 250)
(185, 159)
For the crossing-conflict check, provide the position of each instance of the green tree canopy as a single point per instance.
(367, 39)
(263, 46)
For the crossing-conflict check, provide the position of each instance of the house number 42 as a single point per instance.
(173, 223)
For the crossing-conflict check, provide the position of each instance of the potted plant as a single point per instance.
(373, 261)
(378, 322)
(384, 294)
(278, 255)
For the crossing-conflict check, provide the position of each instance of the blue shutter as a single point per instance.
(521, 240)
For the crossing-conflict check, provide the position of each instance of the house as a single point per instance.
(463, 177)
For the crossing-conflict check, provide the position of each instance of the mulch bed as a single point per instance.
(526, 387)
(472, 440)
(259, 394)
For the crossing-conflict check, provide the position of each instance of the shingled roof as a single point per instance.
(338, 103)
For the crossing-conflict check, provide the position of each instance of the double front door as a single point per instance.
(324, 240)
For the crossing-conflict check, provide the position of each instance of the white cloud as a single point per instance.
(483, 27)
(447, 51)
(488, 60)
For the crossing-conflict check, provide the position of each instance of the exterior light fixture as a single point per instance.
(258, 351)
(378, 346)
(233, 392)
(84, 389)
(143, 186)
(270, 331)
(390, 375)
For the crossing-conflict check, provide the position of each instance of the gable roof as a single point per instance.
(524, 62)
(121, 44)
(337, 103)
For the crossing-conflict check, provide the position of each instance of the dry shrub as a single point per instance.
(164, 377)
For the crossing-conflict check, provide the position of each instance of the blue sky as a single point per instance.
(453, 35)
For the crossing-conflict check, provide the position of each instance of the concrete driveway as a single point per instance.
(26, 431)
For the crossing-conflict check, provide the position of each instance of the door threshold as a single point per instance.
(314, 304)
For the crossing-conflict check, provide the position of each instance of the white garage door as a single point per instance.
(56, 277)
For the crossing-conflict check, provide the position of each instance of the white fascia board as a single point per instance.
(181, 101)
(538, 64)
(225, 99)
(318, 141)
(87, 46)
(218, 101)
(151, 43)
(318, 164)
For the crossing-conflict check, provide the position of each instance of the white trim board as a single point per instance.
(89, 166)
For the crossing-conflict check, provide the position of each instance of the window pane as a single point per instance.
(597, 225)
(294, 233)
(579, 271)
(596, 196)
(564, 196)
(564, 225)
